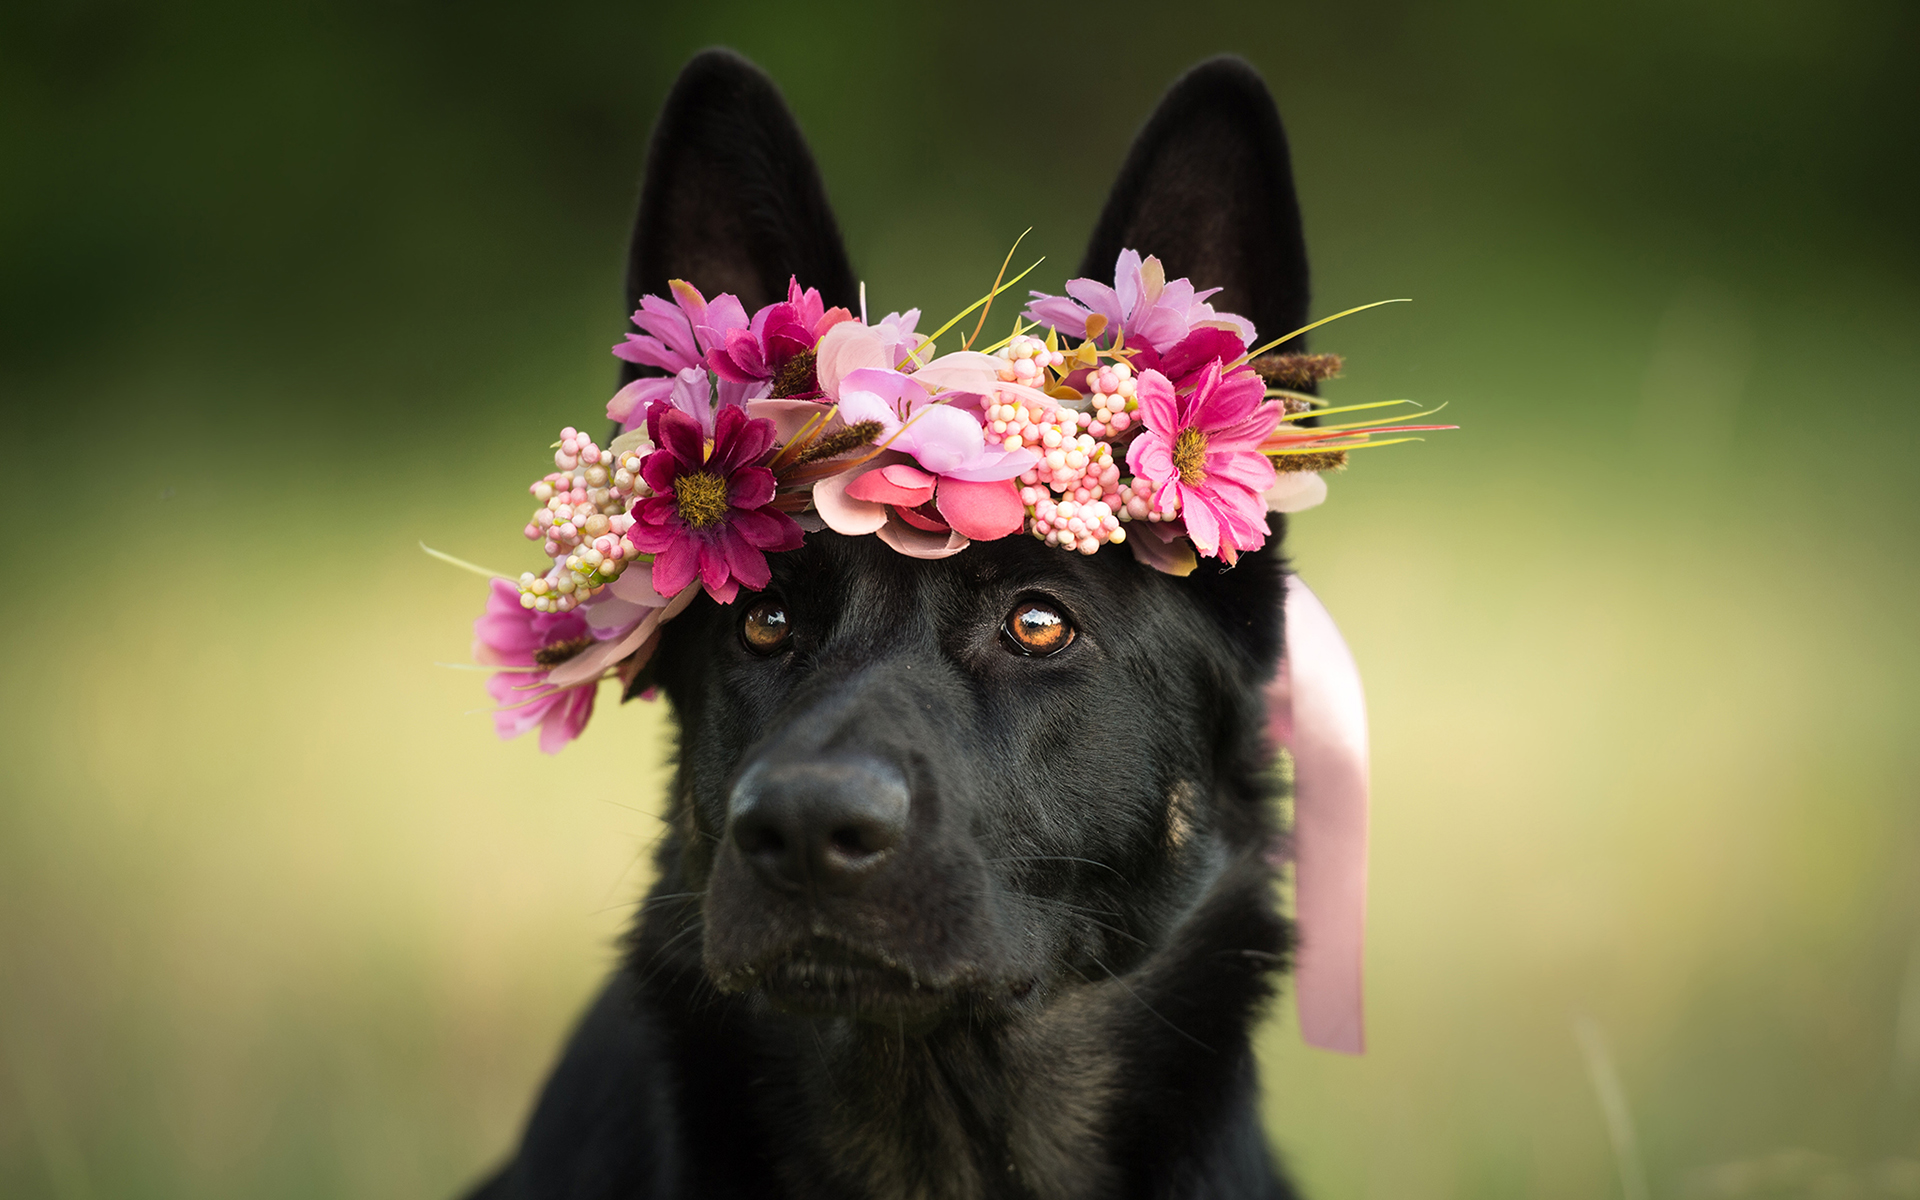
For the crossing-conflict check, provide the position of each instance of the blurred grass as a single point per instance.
(285, 292)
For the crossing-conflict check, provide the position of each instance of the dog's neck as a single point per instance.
(1103, 1083)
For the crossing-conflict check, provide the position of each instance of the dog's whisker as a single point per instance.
(1150, 1008)
(1006, 858)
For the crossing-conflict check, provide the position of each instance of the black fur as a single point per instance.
(1039, 974)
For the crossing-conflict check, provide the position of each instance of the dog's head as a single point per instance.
(912, 788)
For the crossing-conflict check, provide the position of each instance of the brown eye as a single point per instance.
(1037, 628)
(765, 628)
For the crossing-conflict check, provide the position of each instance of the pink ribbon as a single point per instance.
(1316, 709)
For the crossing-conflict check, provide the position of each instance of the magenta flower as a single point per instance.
(711, 514)
(677, 337)
(530, 643)
(1153, 311)
(1200, 454)
(778, 334)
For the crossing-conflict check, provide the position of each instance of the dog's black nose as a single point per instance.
(821, 824)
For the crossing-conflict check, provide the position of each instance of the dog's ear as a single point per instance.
(732, 200)
(1208, 187)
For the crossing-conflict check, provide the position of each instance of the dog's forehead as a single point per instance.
(862, 571)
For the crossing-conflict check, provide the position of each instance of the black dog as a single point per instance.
(967, 890)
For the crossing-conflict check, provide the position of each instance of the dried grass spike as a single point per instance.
(1298, 370)
(1324, 460)
(851, 438)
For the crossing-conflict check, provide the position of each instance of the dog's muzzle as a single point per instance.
(818, 826)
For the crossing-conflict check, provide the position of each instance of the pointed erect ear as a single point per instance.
(732, 200)
(1209, 189)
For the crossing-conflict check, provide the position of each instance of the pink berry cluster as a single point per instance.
(1027, 361)
(582, 515)
(1110, 399)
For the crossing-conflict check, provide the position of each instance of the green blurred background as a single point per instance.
(285, 289)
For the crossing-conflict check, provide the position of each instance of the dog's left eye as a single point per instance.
(1037, 628)
(764, 629)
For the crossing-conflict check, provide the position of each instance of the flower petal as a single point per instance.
(1057, 312)
(915, 544)
(767, 528)
(846, 348)
(752, 487)
(843, 513)
(746, 563)
(1295, 491)
(1158, 407)
(1203, 528)
(981, 511)
(961, 371)
(675, 565)
(941, 437)
(897, 484)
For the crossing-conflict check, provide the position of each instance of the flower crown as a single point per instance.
(1143, 416)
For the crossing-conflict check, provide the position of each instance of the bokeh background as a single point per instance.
(285, 289)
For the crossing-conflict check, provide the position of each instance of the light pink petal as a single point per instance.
(689, 300)
(692, 394)
(857, 406)
(629, 404)
(566, 720)
(668, 322)
(917, 544)
(522, 703)
(846, 348)
(1295, 491)
(841, 512)
(992, 464)
(1126, 281)
(601, 655)
(1057, 312)
(941, 438)
(789, 417)
(981, 511)
(1098, 297)
(1159, 546)
(961, 371)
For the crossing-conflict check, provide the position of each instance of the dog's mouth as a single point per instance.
(819, 977)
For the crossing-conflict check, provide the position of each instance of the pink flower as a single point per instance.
(917, 513)
(507, 635)
(1201, 455)
(778, 334)
(943, 438)
(677, 337)
(711, 513)
(1152, 311)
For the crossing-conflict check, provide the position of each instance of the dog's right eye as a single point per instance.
(765, 629)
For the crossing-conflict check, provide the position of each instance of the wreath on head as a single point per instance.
(1128, 414)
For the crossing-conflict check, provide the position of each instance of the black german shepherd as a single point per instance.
(968, 884)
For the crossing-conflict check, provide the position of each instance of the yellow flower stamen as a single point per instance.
(1190, 456)
(701, 498)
